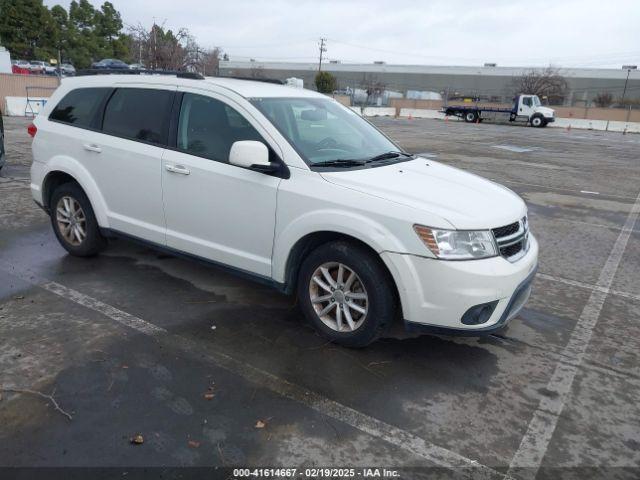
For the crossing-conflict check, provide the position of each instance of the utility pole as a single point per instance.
(155, 43)
(628, 68)
(323, 48)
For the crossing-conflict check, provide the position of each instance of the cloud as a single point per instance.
(453, 32)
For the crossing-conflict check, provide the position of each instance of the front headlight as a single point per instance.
(457, 244)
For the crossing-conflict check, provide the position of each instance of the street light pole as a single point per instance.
(628, 68)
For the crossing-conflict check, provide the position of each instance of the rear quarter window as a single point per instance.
(79, 107)
(138, 114)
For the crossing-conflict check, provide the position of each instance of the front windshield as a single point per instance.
(536, 101)
(322, 130)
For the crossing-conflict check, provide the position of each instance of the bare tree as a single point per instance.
(603, 99)
(203, 61)
(546, 83)
(373, 87)
(163, 49)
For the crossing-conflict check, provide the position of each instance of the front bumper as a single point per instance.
(435, 294)
(550, 119)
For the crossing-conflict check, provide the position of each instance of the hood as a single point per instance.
(546, 111)
(463, 199)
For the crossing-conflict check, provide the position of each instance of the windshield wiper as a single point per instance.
(388, 156)
(339, 162)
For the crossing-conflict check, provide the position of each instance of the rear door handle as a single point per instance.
(92, 147)
(181, 169)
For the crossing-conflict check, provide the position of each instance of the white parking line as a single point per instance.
(588, 286)
(393, 435)
(533, 447)
(561, 189)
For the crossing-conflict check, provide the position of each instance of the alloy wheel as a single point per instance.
(338, 297)
(71, 220)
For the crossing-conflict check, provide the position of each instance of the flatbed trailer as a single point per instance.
(525, 108)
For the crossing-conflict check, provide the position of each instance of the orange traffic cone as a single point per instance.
(410, 117)
(568, 129)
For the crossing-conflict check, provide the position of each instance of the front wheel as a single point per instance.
(538, 122)
(346, 294)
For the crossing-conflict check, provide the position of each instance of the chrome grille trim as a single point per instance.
(520, 236)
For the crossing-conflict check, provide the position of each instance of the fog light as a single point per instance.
(479, 313)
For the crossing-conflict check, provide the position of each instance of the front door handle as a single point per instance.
(181, 169)
(92, 147)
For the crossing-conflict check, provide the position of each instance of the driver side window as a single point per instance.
(527, 101)
(208, 127)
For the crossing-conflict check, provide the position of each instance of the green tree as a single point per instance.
(27, 29)
(109, 22)
(325, 82)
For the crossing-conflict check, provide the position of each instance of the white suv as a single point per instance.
(290, 187)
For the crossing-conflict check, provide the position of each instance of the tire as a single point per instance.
(538, 122)
(371, 291)
(66, 199)
(470, 117)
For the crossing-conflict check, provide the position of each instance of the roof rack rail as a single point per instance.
(117, 71)
(265, 80)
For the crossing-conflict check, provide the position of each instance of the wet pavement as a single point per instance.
(195, 360)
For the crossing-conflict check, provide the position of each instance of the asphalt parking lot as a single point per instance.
(213, 370)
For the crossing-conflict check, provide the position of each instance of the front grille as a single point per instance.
(511, 250)
(512, 239)
(506, 230)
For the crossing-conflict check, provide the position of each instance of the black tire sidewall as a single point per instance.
(537, 117)
(94, 242)
(377, 282)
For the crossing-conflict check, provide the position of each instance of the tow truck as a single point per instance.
(525, 108)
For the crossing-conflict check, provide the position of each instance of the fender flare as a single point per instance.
(79, 173)
(362, 228)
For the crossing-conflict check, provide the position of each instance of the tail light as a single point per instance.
(32, 130)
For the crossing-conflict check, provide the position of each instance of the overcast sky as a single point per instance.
(589, 33)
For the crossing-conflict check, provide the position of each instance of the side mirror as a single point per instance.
(251, 154)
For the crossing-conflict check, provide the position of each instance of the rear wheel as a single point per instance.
(470, 117)
(346, 294)
(74, 222)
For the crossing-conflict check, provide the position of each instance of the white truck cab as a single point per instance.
(529, 108)
(289, 187)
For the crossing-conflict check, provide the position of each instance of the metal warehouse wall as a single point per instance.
(584, 84)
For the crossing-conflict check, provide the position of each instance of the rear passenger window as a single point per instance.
(138, 114)
(79, 106)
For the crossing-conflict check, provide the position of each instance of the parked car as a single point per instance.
(20, 67)
(50, 69)
(2, 152)
(67, 69)
(110, 64)
(37, 67)
(289, 187)
(137, 66)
